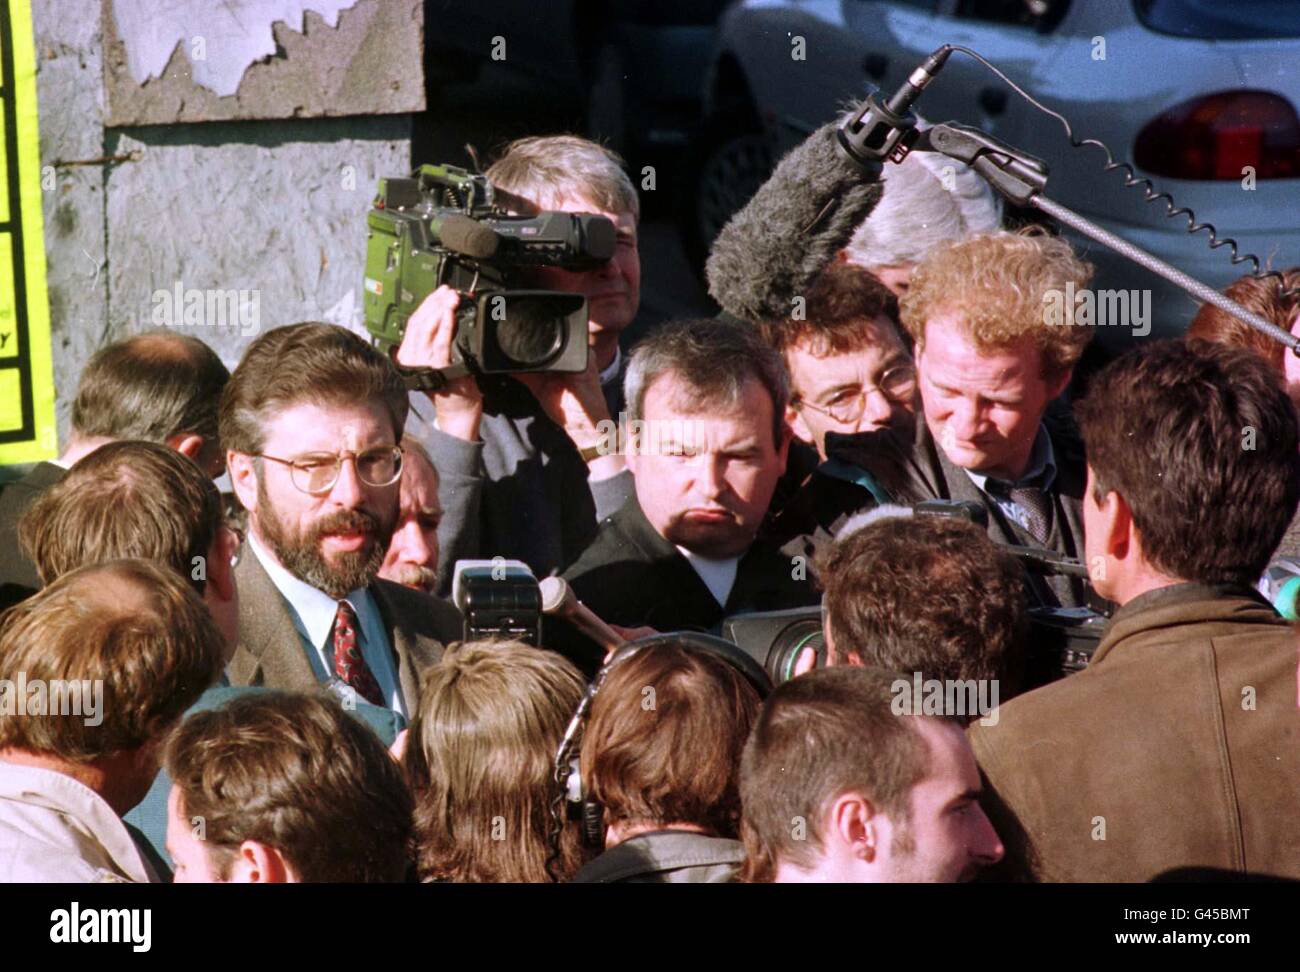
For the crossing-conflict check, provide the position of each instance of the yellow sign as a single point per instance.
(27, 425)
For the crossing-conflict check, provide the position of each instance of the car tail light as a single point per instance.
(1218, 135)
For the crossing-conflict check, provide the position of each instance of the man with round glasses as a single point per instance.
(850, 373)
(314, 416)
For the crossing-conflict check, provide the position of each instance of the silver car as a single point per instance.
(1199, 95)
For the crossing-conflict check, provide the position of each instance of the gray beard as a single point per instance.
(301, 554)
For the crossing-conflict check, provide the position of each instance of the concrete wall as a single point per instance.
(267, 215)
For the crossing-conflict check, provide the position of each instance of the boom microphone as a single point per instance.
(806, 212)
(876, 132)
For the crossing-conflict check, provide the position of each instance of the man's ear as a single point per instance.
(1117, 524)
(853, 824)
(1056, 384)
(188, 444)
(794, 420)
(243, 478)
(259, 863)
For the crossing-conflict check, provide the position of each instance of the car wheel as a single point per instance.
(732, 160)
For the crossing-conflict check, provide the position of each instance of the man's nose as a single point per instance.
(965, 418)
(414, 548)
(988, 846)
(348, 490)
(709, 477)
(877, 411)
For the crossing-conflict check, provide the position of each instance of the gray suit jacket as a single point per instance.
(270, 653)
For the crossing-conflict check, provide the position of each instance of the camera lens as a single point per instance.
(790, 644)
(532, 330)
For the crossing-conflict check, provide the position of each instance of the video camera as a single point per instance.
(443, 226)
(1061, 641)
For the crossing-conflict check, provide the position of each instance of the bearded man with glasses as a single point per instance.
(314, 417)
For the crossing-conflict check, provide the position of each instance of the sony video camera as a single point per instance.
(443, 227)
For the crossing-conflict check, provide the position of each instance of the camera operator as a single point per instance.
(525, 470)
(836, 787)
(926, 594)
(707, 401)
(661, 755)
(1176, 746)
(989, 369)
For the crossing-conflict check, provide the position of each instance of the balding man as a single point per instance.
(160, 387)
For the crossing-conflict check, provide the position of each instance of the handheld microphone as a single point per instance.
(878, 132)
(558, 599)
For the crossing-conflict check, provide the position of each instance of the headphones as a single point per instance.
(568, 777)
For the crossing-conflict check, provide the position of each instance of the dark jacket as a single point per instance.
(18, 577)
(666, 857)
(271, 654)
(906, 468)
(522, 492)
(1178, 747)
(632, 576)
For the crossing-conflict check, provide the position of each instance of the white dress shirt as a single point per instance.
(313, 612)
(719, 576)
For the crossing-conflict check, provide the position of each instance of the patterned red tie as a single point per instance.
(349, 665)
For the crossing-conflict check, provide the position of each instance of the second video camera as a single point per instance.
(444, 227)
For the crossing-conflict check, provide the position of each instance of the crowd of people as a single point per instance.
(270, 683)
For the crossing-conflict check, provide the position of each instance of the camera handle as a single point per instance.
(431, 379)
(1021, 178)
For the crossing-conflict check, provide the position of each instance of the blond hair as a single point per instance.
(999, 285)
(545, 169)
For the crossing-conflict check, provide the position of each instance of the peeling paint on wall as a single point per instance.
(237, 60)
(220, 40)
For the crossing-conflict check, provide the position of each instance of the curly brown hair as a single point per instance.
(1263, 295)
(928, 594)
(841, 309)
(1000, 284)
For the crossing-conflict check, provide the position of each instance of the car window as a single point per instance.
(1259, 19)
(1041, 15)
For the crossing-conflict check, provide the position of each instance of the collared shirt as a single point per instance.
(1040, 473)
(313, 613)
(55, 828)
(719, 576)
(609, 374)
